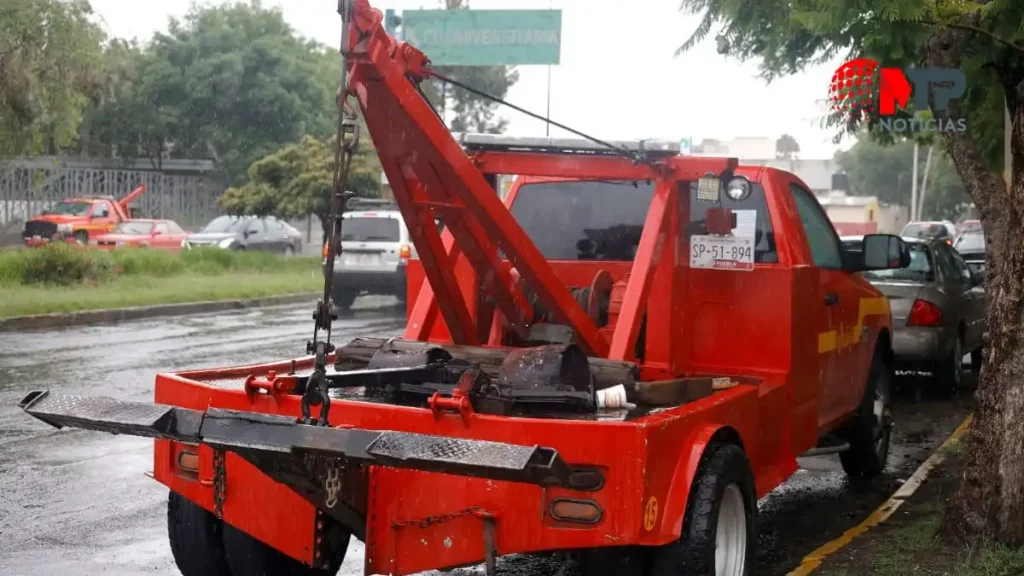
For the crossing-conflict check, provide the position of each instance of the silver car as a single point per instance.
(938, 310)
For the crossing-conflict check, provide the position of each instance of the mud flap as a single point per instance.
(282, 438)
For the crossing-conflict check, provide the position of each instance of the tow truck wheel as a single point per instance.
(248, 556)
(868, 434)
(196, 538)
(720, 526)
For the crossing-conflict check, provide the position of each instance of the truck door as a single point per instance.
(101, 219)
(835, 308)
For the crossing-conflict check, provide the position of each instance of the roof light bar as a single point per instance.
(498, 142)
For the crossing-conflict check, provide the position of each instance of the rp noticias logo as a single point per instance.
(852, 92)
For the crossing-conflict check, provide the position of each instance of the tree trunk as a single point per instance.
(989, 504)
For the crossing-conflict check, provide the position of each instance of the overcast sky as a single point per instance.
(618, 77)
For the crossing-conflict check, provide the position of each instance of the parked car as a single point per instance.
(156, 234)
(938, 309)
(944, 230)
(966, 226)
(971, 246)
(248, 233)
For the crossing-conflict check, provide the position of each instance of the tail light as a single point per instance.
(924, 313)
(405, 252)
(325, 250)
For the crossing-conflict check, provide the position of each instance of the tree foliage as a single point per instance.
(887, 173)
(297, 180)
(49, 50)
(786, 147)
(231, 82)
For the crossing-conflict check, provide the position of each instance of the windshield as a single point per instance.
(223, 224)
(584, 220)
(971, 243)
(133, 228)
(925, 230)
(921, 268)
(370, 229)
(69, 208)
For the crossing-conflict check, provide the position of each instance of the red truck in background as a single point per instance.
(78, 219)
(619, 358)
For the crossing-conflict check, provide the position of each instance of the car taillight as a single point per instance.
(924, 313)
(405, 252)
(325, 250)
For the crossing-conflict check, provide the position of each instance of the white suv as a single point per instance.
(375, 249)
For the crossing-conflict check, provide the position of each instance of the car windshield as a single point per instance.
(925, 230)
(133, 228)
(223, 224)
(69, 209)
(921, 267)
(370, 229)
(971, 243)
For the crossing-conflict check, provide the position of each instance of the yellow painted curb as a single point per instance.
(812, 561)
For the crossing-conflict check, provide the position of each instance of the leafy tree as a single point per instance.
(472, 113)
(48, 73)
(297, 180)
(887, 173)
(786, 147)
(985, 39)
(230, 82)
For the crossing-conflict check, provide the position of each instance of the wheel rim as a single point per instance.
(731, 534)
(880, 411)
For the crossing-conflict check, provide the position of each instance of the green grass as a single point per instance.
(66, 279)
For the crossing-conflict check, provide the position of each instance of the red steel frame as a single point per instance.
(773, 416)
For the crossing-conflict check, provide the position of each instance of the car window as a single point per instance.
(257, 226)
(133, 228)
(100, 210)
(161, 228)
(275, 225)
(970, 242)
(821, 236)
(173, 228)
(222, 224)
(921, 269)
(68, 208)
(370, 229)
(764, 235)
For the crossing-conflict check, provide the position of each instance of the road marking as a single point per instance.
(651, 513)
(812, 561)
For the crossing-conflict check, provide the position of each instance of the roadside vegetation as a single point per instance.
(910, 543)
(64, 278)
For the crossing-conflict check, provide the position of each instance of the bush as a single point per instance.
(65, 264)
(60, 264)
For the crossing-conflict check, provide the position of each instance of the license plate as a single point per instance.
(722, 252)
(361, 259)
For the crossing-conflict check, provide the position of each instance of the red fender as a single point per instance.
(671, 526)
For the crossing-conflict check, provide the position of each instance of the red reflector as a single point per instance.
(924, 313)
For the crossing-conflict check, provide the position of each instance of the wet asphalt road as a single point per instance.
(77, 502)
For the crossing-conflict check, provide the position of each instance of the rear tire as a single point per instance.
(950, 373)
(344, 298)
(720, 526)
(248, 556)
(870, 431)
(196, 538)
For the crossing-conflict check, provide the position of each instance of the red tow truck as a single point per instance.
(617, 360)
(79, 219)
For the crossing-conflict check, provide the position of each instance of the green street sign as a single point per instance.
(485, 37)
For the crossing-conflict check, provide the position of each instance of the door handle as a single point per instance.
(831, 299)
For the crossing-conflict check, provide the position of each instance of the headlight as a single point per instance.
(64, 228)
(738, 189)
(226, 243)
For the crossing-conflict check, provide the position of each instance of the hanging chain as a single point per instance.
(219, 481)
(332, 483)
(346, 143)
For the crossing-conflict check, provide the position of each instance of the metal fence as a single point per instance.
(183, 190)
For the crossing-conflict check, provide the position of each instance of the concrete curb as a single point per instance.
(812, 561)
(115, 315)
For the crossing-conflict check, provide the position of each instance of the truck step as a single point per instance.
(827, 445)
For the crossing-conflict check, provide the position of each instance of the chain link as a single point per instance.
(219, 481)
(332, 484)
(439, 519)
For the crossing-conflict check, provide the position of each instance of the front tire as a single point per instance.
(719, 535)
(195, 536)
(870, 431)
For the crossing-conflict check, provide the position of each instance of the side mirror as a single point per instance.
(884, 252)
